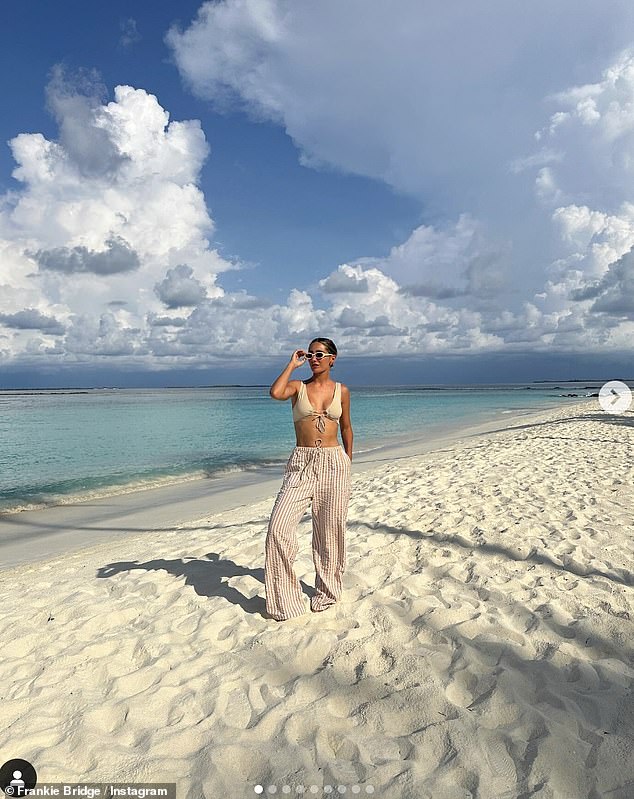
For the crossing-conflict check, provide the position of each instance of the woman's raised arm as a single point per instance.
(280, 389)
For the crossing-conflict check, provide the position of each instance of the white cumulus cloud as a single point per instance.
(100, 216)
(442, 103)
(525, 239)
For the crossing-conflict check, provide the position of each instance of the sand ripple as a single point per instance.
(484, 646)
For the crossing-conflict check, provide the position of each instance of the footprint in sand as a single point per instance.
(378, 662)
(460, 691)
(238, 710)
(108, 718)
(501, 764)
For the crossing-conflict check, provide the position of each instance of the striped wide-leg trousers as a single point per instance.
(321, 476)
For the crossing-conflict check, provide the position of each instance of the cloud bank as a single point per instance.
(517, 140)
(475, 109)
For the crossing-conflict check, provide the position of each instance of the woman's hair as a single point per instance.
(328, 343)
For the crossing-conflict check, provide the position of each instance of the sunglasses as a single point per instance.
(319, 355)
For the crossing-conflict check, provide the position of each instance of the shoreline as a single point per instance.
(33, 536)
(252, 471)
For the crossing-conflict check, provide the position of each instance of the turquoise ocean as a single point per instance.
(62, 446)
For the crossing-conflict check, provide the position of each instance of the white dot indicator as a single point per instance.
(369, 788)
(300, 789)
(258, 789)
(327, 788)
(341, 788)
(355, 789)
(286, 788)
(272, 788)
(314, 788)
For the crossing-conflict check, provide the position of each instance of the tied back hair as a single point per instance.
(328, 343)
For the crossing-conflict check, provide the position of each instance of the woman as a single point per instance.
(317, 472)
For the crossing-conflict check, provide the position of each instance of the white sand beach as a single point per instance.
(483, 647)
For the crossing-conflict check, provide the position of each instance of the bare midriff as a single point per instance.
(309, 435)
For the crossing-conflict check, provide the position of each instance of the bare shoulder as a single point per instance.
(345, 391)
(291, 391)
(295, 385)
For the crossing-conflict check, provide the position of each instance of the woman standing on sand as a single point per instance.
(317, 471)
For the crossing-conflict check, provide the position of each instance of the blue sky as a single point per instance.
(445, 192)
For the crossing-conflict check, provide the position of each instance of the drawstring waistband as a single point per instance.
(314, 460)
(315, 457)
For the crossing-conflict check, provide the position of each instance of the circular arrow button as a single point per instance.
(615, 397)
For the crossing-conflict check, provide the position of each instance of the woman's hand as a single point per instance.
(297, 359)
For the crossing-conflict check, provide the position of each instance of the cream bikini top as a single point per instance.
(303, 409)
